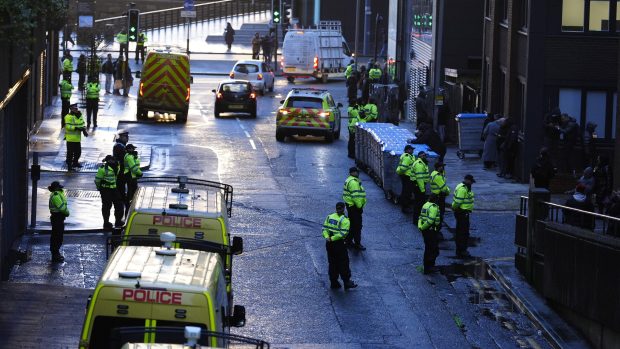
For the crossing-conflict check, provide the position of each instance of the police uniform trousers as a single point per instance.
(431, 248)
(139, 53)
(121, 183)
(64, 110)
(92, 108)
(66, 75)
(355, 230)
(74, 151)
(419, 198)
(338, 260)
(124, 47)
(351, 145)
(109, 198)
(58, 230)
(462, 230)
(132, 187)
(405, 193)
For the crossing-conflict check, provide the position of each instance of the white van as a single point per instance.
(320, 53)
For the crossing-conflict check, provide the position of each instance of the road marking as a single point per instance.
(247, 134)
(240, 124)
(252, 144)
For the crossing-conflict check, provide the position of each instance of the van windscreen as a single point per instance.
(304, 102)
(246, 68)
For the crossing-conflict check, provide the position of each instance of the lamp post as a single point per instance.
(357, 29)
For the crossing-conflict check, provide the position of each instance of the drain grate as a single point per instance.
(86, 194)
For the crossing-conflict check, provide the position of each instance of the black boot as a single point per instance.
(349, 284)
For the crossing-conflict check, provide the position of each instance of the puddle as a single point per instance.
(475, 269)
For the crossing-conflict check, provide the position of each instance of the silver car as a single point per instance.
(258, 73)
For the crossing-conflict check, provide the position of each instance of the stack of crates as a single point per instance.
(378, 147)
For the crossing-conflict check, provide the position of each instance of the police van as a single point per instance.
(164, 83)
(320, 53)
(149, 287)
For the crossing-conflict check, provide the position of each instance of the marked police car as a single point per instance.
(308, 111)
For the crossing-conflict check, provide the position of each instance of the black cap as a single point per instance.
(340, 205)
(439, 164)
(408, 146)
(130, 146)
(421, 152)
(55, 185)
(470, 177)
(73, 106)
(353, 169)
(109, 158)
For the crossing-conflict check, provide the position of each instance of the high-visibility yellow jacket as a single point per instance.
(429, 216)
(349, 70)
(354, 118)
(142, 39)
(336, 227)
(405, 164)
(438, 183)
(463, 198)
(58, 202)
(121, 38)
(92, 90)
(106, 177)
(354, 193)
(72, 124)
(371, 112)
(65, 89)
(67, 65)
(132, 165)
(420, 174)
(374, 74)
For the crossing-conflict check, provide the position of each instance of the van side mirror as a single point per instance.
(138, 74)
(339, 105)
(237, 245)
(213, 91)
(238, 317)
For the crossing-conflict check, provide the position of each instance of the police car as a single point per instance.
(308, 111)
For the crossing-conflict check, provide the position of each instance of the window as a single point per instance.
(305, 102)
(523, 13)
(422, 27)
(570, 102)
(599, 15)
(573, 15)
(238, 87)
(246, 68)
(596, 111)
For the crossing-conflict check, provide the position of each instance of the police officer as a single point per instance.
(67, 66)
(404, 171)
(370, 111)
(429, 223)
(350, 68)
(421, 178)
(121, 38)
(118, 151)
(439, 187)
(354, 118)
(74, 128)
(142, 39)
(132, 172)
(335, 230)
(105, 180)
(58, 212)
(354, 196)
(65, 96)
(374, 74)
(92, 102)
(462, 206)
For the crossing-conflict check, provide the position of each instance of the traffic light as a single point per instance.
(133, 24)
(276, 16)
(276, 12)
(288, 13)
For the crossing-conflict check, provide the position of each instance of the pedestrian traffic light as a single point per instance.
(276, 16)
(277, 12)
(133, 24)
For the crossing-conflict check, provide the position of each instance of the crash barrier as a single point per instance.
(172, 17)
(386, 97)
(469, 131)
(378, 147)
(570, 256)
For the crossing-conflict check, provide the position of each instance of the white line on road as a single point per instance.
(247, 134)
(240, 124)
(252, 144)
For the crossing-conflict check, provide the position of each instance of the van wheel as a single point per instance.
(290, 79)
(279, 136)
(216, 113)
(141, 114)
(329, 137)
(253, 113)
(324, 78)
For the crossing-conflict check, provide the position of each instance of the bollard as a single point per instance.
(535, 211)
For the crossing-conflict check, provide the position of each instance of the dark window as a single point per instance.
(487, 8)
(523, 13)
(236, 87)
(246, 68)
(304, 102)
(503, 9)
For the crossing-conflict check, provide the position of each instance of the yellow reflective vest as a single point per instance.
(92, 90)
(58, 203)
(354, 118)
(353, 193)
(67, 65)
(121, 38)
(374, 74)
(371, 112)
(463, 198)
(132, 165)
(72, 124)
(429, 216)
(420, 174)
(65, 89)
(106, 177)
(405, 164)
(336, 227)
(142, 39)
(438, 183)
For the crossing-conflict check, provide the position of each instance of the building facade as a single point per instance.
(539, 55)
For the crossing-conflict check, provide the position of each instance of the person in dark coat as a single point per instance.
(569, 134)
(580, 201)
(588, 144)
(426, 135)
(603, 180)
(352, 86)
(508, 148)
(229, 35)
(81, 70)
(543, 170)
(489, 136)
(420, 108)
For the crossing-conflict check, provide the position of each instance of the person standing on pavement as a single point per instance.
(267, 45)
(121, 38)
(354, 196)
(67, 66)
(429, 224)
(439, 188)
(81, 70)
(371, 113)
(352, 81)
(489, 137)
(66, 89)
(420, 178)
(132, 171)
(543, 170)
(462, 206)
(105, 180)
(404, 171)
(58, 212)
(92, 102)
(335, 231)
(354, 118)
(74, 128)
(229, 35)
(140, 48)
(256, 46)
(108, 71)
(119, 151)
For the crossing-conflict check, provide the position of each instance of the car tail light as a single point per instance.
(141, 86)
(252, 95)
(219, 95)
(260, 76)
(316, 63)
(232, 74)
(187, 97)
(324, 114)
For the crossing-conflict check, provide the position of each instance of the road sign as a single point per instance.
(188, 14)
(188, 5)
